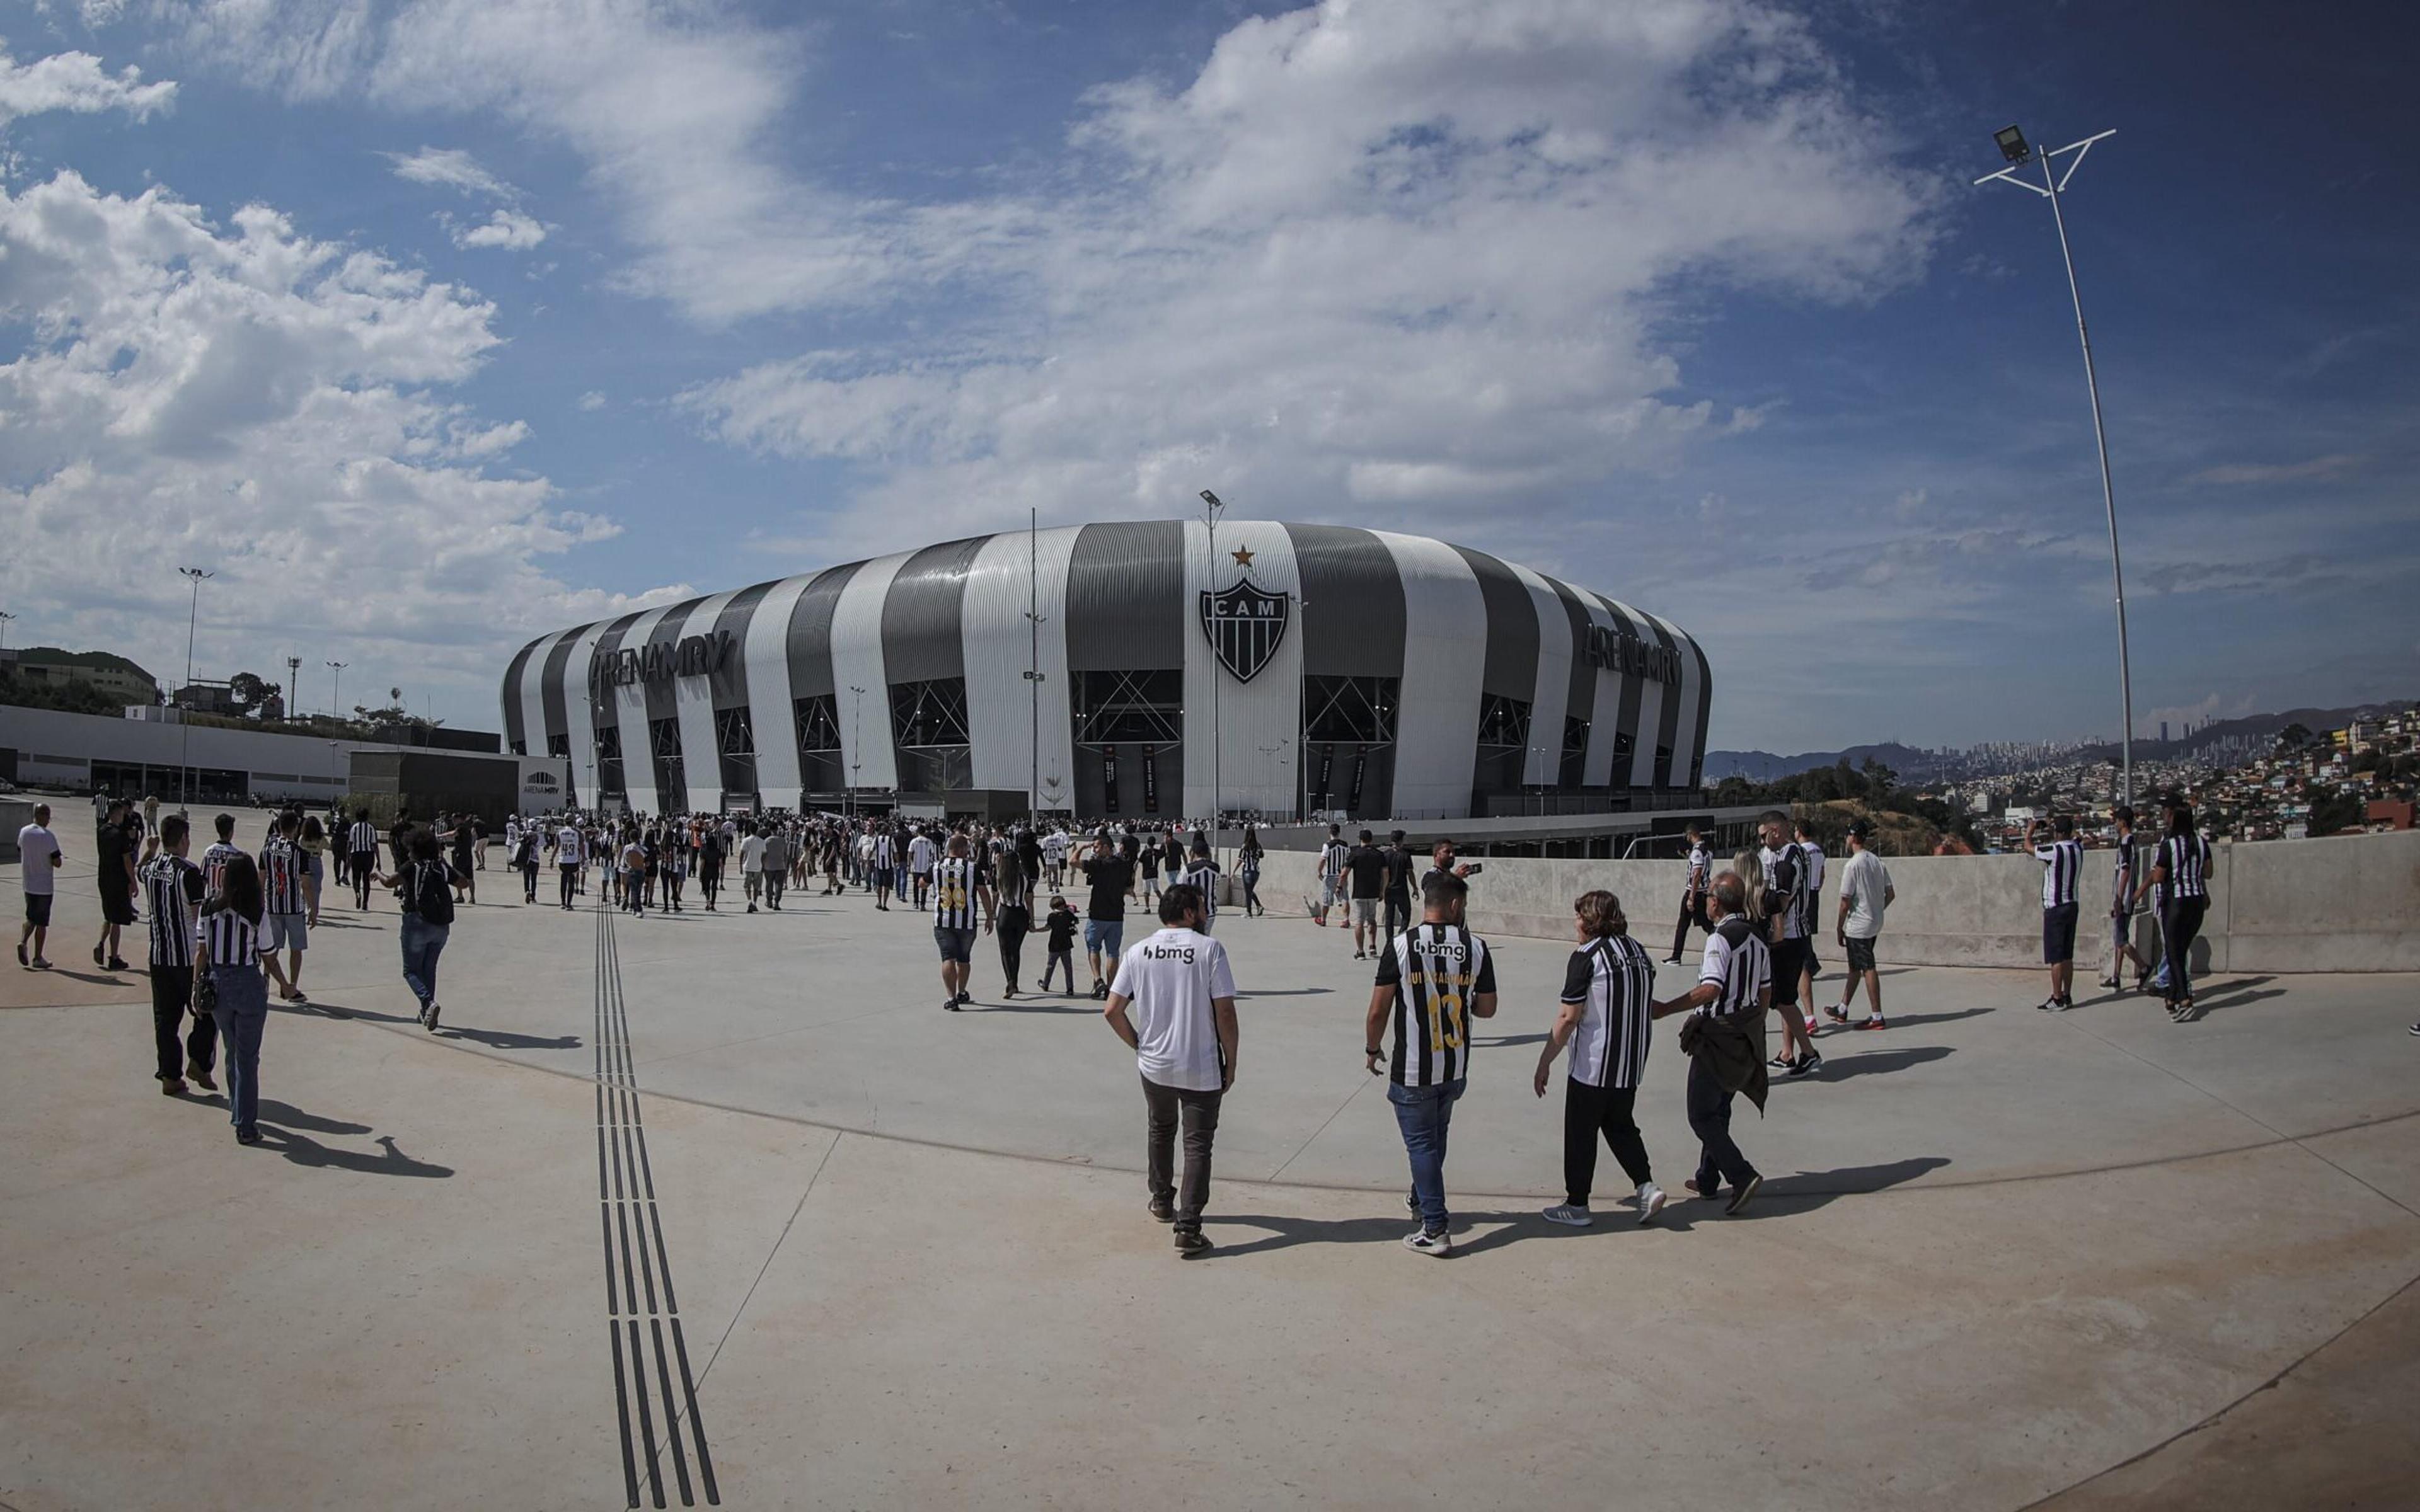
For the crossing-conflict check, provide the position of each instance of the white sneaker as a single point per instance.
(1421, 1241)
(1651, 1202)
(1570, 1217)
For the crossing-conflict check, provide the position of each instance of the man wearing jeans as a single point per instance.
(1180, 987)
(1433, 978)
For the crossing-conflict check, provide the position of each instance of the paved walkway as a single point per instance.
(725, 1208)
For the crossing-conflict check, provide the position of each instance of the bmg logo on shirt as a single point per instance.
(1169, 953)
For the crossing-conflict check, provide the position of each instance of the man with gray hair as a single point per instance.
(1725, 1039)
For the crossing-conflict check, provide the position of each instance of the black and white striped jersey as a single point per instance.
(1785, 889)
(2062, 871)
(1016, 884)
(214, 865)
(1616, 979)
(2121, 877)
(363, 838)
(955, 884)
(172, 891)
(233, 940)
(1435, 969)
(1701, 874)
(1737, 963)
(2185, 859)
(281, 876)
(1202, 872)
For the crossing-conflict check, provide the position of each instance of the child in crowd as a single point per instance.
(1060, 922)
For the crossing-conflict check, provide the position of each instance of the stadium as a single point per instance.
(1131, 670)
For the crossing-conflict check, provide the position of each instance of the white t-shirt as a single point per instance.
(751, 853)
(920, 853)
(1862, 882)
(1171, 979)
(36, 846)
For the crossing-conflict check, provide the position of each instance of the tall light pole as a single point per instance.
(293, 699)
(856, 744)
(185, 744)
(336, 692)
(1211, 506)
(1033, 670)
(5, 618)
(2013, 146)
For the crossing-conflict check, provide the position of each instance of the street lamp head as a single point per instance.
(1212, 499)
(2012, 145)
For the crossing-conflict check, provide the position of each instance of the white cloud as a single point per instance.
(77, 82)
(508, 229)
(251, 399)
(2318, 469)
(450, 168)
(594, 399)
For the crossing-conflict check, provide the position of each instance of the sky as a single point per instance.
(432, 325)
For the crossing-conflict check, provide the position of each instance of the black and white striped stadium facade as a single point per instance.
(1335, 668)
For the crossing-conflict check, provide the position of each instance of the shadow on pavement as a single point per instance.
(1876, 1062)
(1894, 1020)
(1809, 1190)
(303, 1150)
(1288, 992)
(1024, 1006)
(505, 1039)
(1499, 1041)
(272, 1111)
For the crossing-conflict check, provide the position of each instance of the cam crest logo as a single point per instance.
(1245, 624)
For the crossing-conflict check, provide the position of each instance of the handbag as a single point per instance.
(205, 992)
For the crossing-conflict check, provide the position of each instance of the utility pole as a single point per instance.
(1033, 668)
(185, 743)
(293, 699)
(1211, 506)
(5, 618)
(856, 744)
(2014, 147)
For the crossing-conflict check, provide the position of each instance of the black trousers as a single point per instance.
(1398, 914)
(1163, 1106)
(172, 992)
(364, 863)
(1011, 924)
(1692, 911)
(529, 880)
(570, 881)
(1588, 1111)
(2179, 922)
(1710, 1117)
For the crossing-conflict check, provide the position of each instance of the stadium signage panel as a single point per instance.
(695, 656)
(1633, 657)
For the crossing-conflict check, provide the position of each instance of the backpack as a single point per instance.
(432, 896)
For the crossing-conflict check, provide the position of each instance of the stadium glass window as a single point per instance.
(664, 748)
(1130, 707)
(1574, 767)
(1503, 743)
(1360, 710)
(928, 724)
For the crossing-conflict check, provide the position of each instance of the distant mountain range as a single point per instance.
(1917, 765)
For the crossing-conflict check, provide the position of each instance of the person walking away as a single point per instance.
(1723, 1039)
(1015, 919)
(1365, 884)
(921, 857)
(1433, 979)
(1693, 894)
(1060, 922)
(1108, 872)
(958, 882)
(313, 840)
(2180, 888)
(1865, 893)
(709, 865)
(675, 866)
(2122, 893)
(2062, 862)
(428, 919)
(172, 887)
(1812, 855)
(114, 877)
(1201, 873)
(1401, 863)
(39, 860)
(235, 957)
(751, 865)
(523, 854)
(775, 859)
(1248, 871)
(634, 874)
(1332, 852)
(360, 858)
(1608, 992)
(571, 856)
(1785, 923)
(882, 860)
(283, 906)
(1185, 1040)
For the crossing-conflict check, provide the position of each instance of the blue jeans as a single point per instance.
(242, 1013)
(422, 942)
(1425, 1114)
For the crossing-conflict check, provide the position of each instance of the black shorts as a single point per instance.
(116, 905)
(956, 945)
(1787, 956)
(37, 909)
(2058, 935)
(1861, 954)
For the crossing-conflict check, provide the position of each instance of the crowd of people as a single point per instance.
(227, 929)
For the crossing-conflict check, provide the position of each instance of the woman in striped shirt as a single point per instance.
(1608, 996)
(2179, 888)
(235, 955)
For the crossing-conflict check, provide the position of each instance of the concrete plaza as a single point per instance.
(2002, 1256)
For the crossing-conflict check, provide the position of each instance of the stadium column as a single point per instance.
(1010, 575)
(1258, 719)
(1445, 657)
(858, 662)
(694, 703)
(1550, 702)
(769, 715)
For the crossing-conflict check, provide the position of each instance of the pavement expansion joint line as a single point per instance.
(637, 1261)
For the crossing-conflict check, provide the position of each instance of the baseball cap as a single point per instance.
(1862, 828)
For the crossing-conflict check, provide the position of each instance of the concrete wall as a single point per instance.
(2348, 904)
